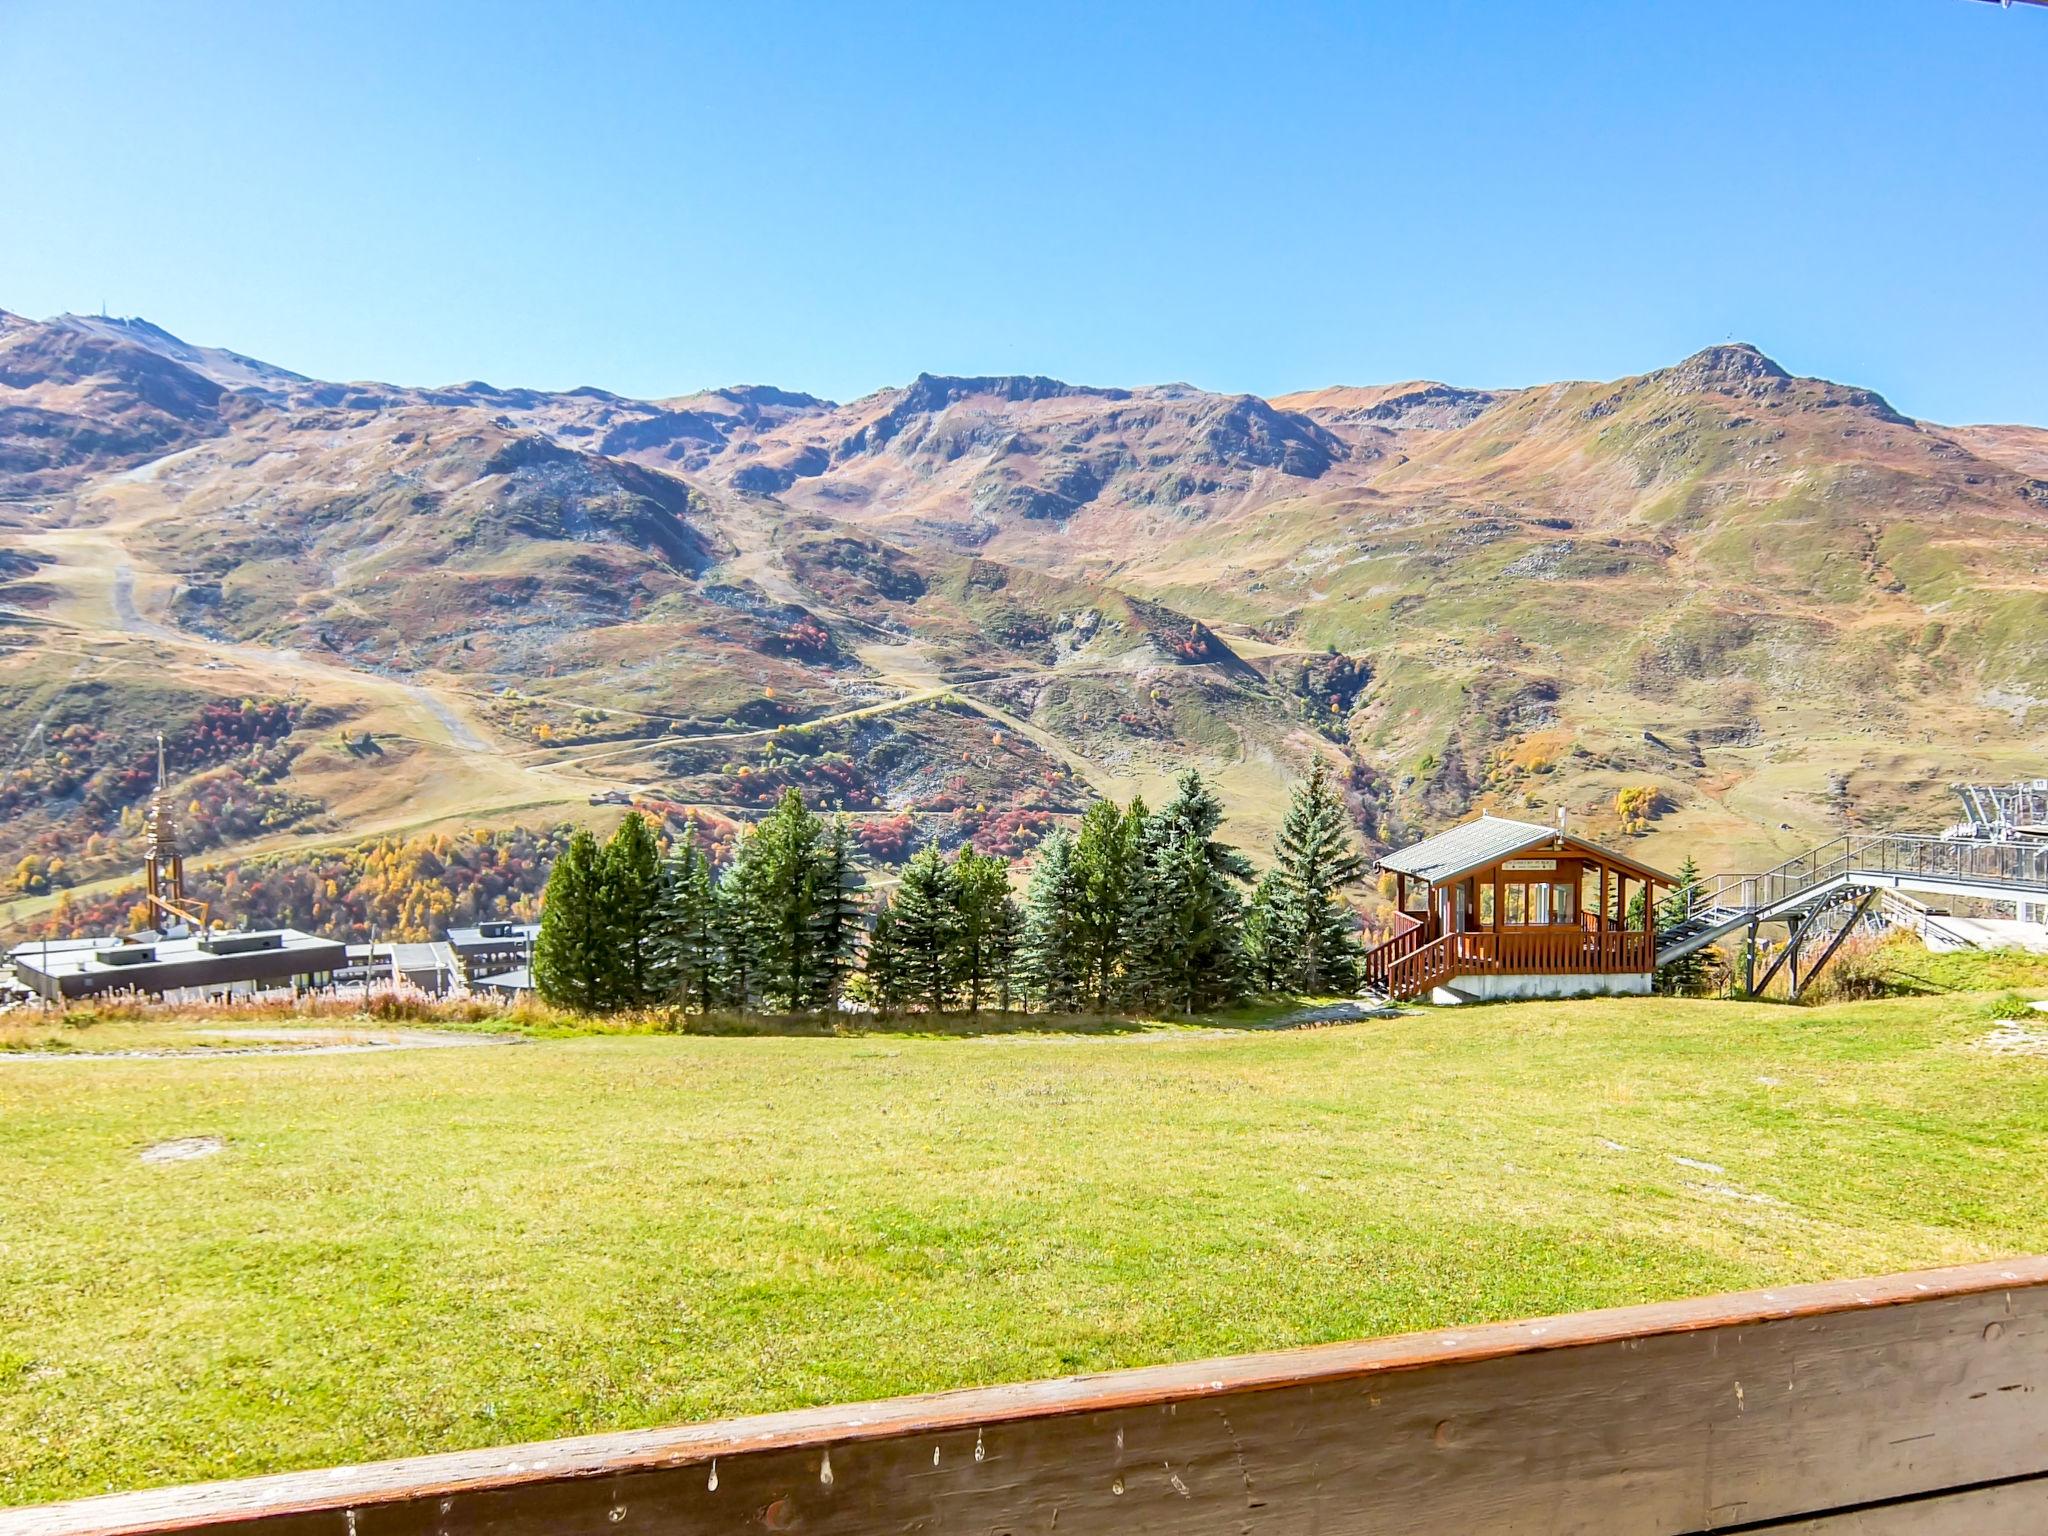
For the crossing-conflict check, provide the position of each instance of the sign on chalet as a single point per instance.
(1498, 908)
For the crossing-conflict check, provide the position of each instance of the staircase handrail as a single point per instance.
(2013, 863)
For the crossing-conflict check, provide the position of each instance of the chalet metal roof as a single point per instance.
(1477, 843)
(1466, 847)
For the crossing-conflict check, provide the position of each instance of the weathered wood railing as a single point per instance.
(1874, 1407)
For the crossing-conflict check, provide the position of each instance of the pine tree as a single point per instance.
(1268, 951)
(788, 869)
(882, 967)
(1689, 975)
(1108, 859)
(1316, 859)
(569, 952)
(838, 921)
(629, 888)
(1194, 811)
(981, 887)
(1006, 955)
(686, 958)
(1056, 949)
(927, 926)
(1195, 959)
(1188, 939)
(741, 918)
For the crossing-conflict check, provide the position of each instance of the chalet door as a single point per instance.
(1452, 910)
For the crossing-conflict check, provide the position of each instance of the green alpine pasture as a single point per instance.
(422, 1250)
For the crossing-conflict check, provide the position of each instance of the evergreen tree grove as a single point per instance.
(1130, 908)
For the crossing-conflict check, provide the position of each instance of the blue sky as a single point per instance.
(659, 197)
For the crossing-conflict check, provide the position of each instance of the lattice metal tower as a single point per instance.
(163, 866)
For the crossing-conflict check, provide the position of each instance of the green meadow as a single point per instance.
(421, 1250)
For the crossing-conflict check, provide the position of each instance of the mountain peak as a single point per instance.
(1734, 366)
(230, 370)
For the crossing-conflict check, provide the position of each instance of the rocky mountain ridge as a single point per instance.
(1519, 597)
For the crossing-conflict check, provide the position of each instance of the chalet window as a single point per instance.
(1517, 907)
(1539, 905)
(1486, 906)
(1563, 904)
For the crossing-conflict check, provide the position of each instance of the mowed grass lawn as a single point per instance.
(424, 1250)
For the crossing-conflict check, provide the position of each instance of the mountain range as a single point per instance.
(960, 608)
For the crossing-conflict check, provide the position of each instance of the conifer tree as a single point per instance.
(882, 967)
(1689, 975)
(1188, 940)
(1268, 954)
(837, 944)
(1057, 960)
(1315, 860)
(981, 888)
(629, 888)
(788, 870)
(685, 928)
(740, 915)
(1006, 955)
(1194, 958)
(1108, 860)
(569, 953)
(927, 914)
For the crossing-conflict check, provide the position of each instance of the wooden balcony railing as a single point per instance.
(1381, 958)
(1853, 1408)
(1405, 967)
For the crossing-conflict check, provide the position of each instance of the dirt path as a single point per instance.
(282, 1042)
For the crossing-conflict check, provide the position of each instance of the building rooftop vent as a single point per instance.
(240, 943)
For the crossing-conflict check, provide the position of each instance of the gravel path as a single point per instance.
(284, 1042)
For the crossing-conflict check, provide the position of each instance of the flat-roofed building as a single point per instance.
(492, 948)
(429, 967)
(188, 967)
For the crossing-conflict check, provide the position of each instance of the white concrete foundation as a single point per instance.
(1993, 933)
(1500, 989)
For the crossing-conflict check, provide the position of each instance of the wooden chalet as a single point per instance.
(1497, 908)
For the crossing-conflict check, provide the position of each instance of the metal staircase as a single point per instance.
(1858, 869)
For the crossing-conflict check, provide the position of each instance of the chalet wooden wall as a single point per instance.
(1910, 1404)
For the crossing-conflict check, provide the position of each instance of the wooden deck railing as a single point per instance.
(1566, 949)
(1872, 1407)
(1382, 958)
